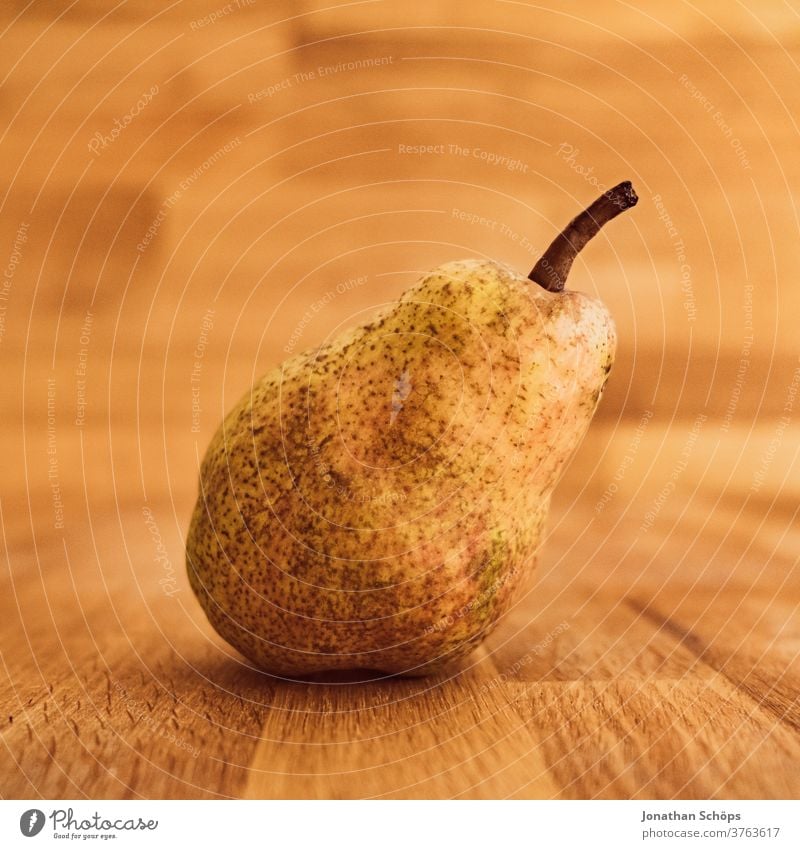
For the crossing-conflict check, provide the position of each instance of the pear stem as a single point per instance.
(552, 269)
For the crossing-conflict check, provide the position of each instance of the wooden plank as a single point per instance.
(457, 739)
(100, 698)
(693, 738)
(762, 670)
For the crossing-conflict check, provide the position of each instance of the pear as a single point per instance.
(374, 503)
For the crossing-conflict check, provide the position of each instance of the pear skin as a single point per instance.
(374, 503)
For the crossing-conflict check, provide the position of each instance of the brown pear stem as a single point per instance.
(552, 269)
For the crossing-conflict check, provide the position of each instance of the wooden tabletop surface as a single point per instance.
(181, 184)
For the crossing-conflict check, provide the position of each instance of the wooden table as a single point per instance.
(655, 652)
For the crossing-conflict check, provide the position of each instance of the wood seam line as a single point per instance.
(700, 649)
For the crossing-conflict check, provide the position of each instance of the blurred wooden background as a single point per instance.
(182, 182)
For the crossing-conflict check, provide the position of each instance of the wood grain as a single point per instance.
(654, 653)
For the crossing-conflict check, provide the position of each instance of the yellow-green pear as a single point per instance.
(373, 503)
